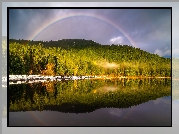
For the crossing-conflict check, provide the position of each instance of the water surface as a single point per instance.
(124, 102)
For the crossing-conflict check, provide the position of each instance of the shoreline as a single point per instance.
(42, 78)
(76, 77)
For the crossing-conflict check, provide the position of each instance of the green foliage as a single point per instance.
(82, 57)
(86, 95)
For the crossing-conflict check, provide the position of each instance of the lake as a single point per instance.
(110, 102)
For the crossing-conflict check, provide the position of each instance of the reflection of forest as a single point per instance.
(86, 95)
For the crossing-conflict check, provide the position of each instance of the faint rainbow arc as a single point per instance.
(61, 17)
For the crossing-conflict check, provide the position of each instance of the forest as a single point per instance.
(79, 57)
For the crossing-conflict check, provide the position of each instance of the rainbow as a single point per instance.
(69, 15)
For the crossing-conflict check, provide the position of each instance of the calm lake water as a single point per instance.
(124, 102)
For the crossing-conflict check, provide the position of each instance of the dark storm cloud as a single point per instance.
(149, 29)
(22, 22)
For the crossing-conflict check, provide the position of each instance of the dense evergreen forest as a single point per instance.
(84, 57)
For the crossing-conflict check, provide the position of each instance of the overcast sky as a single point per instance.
(147, 29)
(175, 53)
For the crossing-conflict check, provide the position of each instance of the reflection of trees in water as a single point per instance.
(86, 95)
(49, 86)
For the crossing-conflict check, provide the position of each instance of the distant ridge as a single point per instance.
(63, 43)
(72, 43)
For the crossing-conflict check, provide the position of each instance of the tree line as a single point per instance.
(84, 57)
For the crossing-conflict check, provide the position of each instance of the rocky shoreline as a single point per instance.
(19, 79)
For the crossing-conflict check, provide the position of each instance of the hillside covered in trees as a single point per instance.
(84, 57)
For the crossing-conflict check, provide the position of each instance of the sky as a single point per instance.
(147, 29)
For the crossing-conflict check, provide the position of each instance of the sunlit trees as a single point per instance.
(84, 58)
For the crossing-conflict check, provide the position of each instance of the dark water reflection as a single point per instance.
(91, 103)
